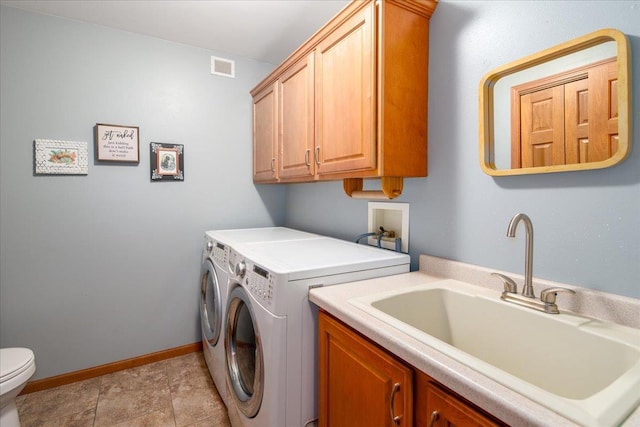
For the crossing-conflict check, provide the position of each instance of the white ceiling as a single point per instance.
(265, 30)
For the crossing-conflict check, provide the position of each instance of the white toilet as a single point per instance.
(17, 365)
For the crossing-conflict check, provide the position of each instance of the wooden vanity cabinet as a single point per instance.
(359, 383)
(435, 406)
(357, 386)
(353, 98)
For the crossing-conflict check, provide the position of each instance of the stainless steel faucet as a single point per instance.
(547, 301)
(527, 290)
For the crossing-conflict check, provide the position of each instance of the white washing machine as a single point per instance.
(271, 330)
(218, 260)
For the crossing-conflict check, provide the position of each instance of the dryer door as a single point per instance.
(210, 303)
(243, 347)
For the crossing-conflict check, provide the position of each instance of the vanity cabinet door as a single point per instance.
(265, 134)
(360, 384)
(437, 407)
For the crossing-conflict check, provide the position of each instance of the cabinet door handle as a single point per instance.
(394, 418)
(434, 417)
(318, 155)
(273, 164)
(307, 153)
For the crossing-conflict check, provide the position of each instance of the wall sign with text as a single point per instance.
(115, 143)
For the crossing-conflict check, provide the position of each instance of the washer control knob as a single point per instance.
(209, 246)
(241, 269)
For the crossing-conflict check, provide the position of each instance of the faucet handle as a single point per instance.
(509, 285)
(548, 295)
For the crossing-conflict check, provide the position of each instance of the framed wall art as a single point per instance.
(55, 157)
(116, 143)
(167, 162)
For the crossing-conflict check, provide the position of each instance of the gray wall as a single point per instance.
(99, 268)
(587, 224)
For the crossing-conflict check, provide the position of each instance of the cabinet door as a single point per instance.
(265, 134)
(345, 96)
(360, 384)
(296, 87)
(436, 407)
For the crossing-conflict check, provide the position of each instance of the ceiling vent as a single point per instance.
(223, 67)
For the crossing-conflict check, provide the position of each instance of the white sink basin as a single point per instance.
(585, 369)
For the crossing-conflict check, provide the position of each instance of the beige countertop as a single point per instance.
(504, 403)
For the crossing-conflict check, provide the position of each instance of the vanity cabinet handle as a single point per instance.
(317, 155)
(306, 157)
(434, 417)
(394, 418)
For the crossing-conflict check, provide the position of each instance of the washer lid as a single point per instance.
(323, 256)
(13, 361)
(254, 235)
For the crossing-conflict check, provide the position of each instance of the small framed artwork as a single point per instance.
(116, 143)
(54, 157)
(167, 162)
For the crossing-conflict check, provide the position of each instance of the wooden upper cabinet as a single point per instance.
(345, 96)
(353, 98)
(402, 72)
(296, 143)
(265, 134)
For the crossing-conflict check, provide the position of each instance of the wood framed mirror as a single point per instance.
(563, 109)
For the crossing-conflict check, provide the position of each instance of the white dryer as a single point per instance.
(271, 330)
(214, 285)
(218, 260)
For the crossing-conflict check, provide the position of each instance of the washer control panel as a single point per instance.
(234, 259)
(218, 251)
(259, 281)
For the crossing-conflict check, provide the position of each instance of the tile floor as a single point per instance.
(174, 392)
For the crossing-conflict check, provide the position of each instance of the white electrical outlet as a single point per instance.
(393, 217)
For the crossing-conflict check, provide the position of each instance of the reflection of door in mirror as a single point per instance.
(566, 118)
